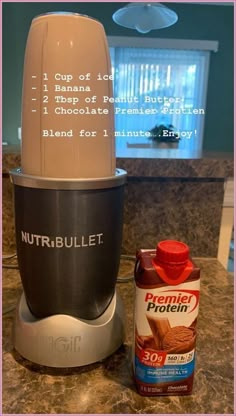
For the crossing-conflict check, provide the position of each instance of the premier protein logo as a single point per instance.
(172, 301)
(62, 242)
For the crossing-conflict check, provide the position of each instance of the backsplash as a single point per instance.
(185, 210)
(186, 207)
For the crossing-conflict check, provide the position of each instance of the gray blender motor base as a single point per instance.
(65, 341)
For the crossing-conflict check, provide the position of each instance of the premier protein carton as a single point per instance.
(166, 308)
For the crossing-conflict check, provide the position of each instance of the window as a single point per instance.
(160, 86)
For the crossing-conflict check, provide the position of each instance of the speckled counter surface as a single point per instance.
(169, 196)
(107, 387)
(154, 162)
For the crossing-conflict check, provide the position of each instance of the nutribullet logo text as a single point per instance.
(78, 241)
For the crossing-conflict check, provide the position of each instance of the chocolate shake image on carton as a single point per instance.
(166, 310)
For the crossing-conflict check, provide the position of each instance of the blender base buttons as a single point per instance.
(65, 341)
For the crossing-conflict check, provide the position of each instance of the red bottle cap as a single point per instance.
(172, 261)
(172, 252)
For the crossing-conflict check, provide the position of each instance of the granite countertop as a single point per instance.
(107, 387)
(141, 161)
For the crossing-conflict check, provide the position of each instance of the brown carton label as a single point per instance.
(165, 329)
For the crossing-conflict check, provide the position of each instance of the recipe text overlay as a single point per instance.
(66, 95)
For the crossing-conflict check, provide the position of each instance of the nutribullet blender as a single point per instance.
(68, 197)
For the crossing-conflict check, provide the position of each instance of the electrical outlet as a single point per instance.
(19, 133)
